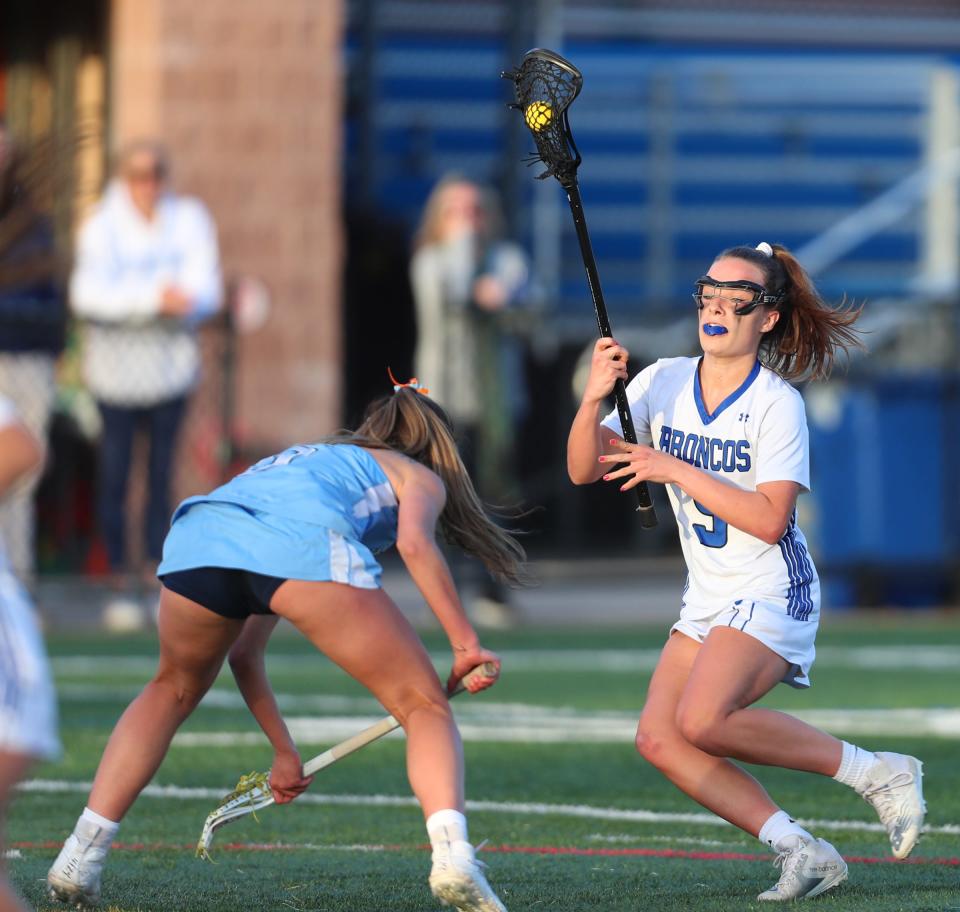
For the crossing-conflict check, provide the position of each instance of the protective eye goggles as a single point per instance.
(745, 298)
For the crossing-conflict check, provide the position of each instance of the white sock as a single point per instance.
(780, 827)
(853, 766)
(446, 827)
(108, 828)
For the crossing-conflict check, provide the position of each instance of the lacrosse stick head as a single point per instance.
(251, 794)
(546, 86)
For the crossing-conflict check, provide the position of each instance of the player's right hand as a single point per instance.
(286, 776)
(608, 364)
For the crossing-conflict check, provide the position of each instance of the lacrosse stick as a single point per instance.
(546, 86)
(253, 790)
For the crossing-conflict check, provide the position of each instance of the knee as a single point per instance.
(418, 701)
(704, 729)
(654, 744)
(184, 690)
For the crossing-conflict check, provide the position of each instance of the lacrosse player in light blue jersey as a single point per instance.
(294, 537)
(727, 435)
(27, 706)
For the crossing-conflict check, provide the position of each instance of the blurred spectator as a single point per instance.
(32, 319)
(467, 282)
(28, 710)
(147, 273)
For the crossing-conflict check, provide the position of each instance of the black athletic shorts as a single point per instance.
(229, 593)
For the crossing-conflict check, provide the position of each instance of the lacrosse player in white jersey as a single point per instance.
(727, 435)
(27, 705)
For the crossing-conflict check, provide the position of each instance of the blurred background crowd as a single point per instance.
(220, 223)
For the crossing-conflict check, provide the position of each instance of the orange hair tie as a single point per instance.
(413, 383)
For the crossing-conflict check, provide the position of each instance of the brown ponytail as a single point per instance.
(806, 339)
(413, 424)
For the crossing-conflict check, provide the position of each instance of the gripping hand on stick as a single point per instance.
(608, 364)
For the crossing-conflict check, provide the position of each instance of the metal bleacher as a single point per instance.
(687, 149)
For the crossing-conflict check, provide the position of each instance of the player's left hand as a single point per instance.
(465, 661)
(286, 776)
(640, 463)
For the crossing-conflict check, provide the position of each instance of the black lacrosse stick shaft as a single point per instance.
(546, 85)
(648, 516)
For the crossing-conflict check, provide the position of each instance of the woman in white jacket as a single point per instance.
(147, 273)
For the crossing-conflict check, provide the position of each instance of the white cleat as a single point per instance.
(457, 880)
(807, 869)
(74, 878)
(895, 790)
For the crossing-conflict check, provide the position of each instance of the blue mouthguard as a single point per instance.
(712, 329)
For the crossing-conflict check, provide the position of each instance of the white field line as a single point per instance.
(497, 721)
(11, 853)
(219, 698)
(545, 725)
(510, 722)
(174, 792)
(624, 838)
(921, 657)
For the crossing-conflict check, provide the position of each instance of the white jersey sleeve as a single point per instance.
(783, 452)
(638, 397)
(8, 413)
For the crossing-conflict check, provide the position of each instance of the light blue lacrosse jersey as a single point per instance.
(314, 512)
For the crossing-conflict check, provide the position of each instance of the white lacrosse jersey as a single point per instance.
(756, 435)
(28, 708)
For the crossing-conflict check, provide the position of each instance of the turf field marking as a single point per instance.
(918, 657)
(53, 786)
(628, 837)
(518, 723)
(12, 853)
(221, 698)
(501, 849)
(511, 721)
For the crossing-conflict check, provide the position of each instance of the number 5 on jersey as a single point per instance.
(715, 537)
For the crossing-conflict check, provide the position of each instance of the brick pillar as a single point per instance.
(247, 97)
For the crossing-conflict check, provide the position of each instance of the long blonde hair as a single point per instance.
(428, 231)
(413, 424)
(810, 334)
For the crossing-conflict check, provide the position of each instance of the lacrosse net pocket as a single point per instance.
(545, 86)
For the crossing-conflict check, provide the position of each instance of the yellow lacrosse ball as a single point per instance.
(538, 115)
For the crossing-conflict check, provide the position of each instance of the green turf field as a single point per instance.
(574, 819)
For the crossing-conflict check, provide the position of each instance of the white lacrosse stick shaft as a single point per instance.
(253, 792)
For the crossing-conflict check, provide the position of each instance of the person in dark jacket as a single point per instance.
(32, 326)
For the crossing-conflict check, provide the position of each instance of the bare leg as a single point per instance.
(716, 783)
(732, 671)
(13, 767)
(696, 717)
(364, 632)
(193, 643)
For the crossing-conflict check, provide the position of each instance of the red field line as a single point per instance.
(508, 849)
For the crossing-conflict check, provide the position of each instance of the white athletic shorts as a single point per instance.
(766, 621)
(28, 710)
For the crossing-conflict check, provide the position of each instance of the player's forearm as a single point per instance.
(20, 453)
(430, 573)
(585, 445)
(749, 511)
(251, 677)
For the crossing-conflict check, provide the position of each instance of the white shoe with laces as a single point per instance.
(895, 790)
(808, 867)
(74, 877)
(457, 880)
